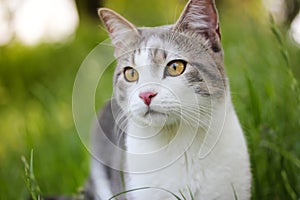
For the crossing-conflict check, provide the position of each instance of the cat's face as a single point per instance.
(167, 74)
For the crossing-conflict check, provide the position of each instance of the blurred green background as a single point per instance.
(36, 83)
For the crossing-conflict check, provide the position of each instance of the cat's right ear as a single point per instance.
(200, 17)
(120, 30)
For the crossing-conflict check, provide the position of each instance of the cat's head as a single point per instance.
(169, 73)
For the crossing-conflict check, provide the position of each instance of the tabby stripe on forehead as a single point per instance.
(132, 57)
(158, 55)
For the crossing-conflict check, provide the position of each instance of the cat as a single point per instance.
(170, 128)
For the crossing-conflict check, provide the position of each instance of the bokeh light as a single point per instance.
(33, 21)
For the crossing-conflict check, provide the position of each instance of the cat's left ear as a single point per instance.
(200, 16)
(120, 30)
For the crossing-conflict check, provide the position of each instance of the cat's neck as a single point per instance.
(152, 139)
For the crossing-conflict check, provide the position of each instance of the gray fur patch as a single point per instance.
(193, 77)
(196, 81)
(211, 74)
(122, 88)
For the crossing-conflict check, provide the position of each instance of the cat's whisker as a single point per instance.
(122, 127)
(193, 125)
(198, 111)
(191, 119)
(121, 120)
(200, 116)
(196, 108)
(119, 117)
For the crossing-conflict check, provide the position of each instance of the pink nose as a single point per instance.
(147, 97)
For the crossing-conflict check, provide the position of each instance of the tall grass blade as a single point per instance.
(275, 31)
(255, 103)
(145, 188)
(288, 186)
(191, 193)
(128, 191)
(30, 180)
(182, 195)
(234, 192)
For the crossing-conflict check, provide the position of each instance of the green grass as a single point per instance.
(266, 96)
(36, 97)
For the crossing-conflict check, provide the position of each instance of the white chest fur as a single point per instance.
(220, 174)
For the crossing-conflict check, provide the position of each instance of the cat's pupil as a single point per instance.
(174, 66)
(132, 73)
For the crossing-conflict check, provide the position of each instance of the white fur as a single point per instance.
(142, 57)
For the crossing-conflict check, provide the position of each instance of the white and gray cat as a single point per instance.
(170, 127)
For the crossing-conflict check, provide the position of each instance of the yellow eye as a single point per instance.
(175, 68)
(130, 74)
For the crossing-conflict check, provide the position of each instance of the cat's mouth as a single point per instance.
(152, 112)
(155, 117)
